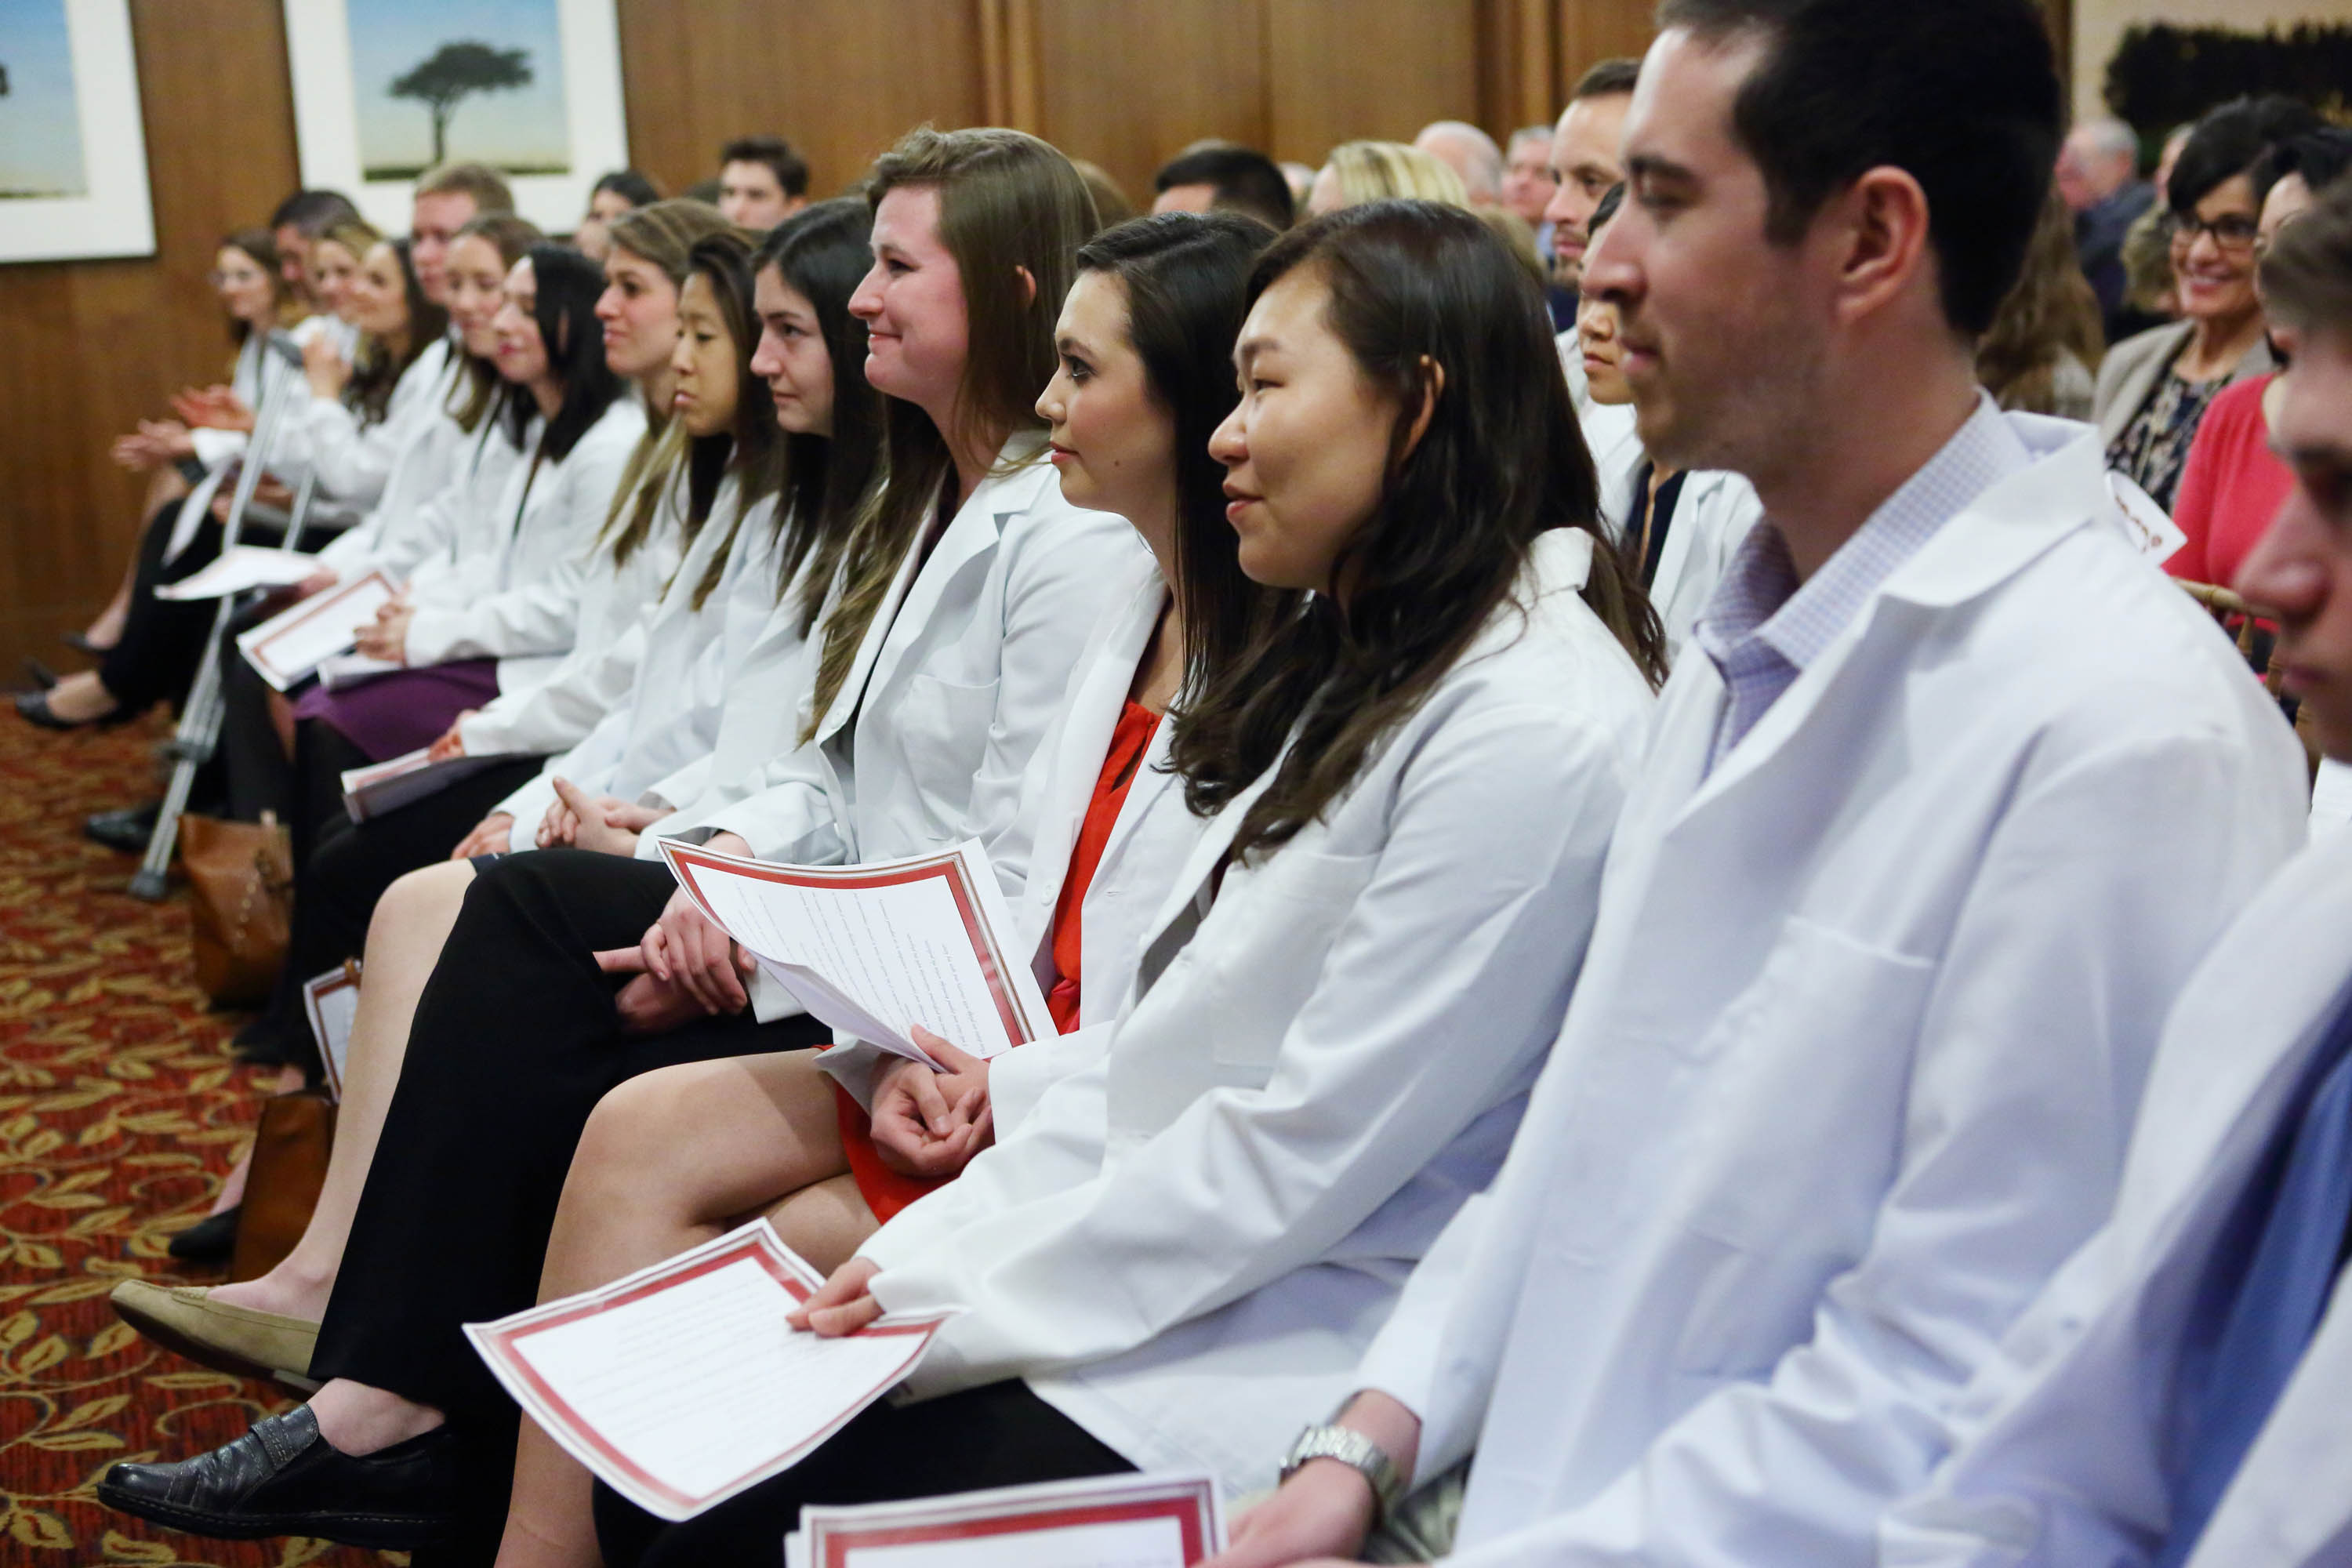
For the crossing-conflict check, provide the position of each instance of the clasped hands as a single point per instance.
(386, 637)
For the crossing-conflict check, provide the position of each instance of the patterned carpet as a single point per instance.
(120, 1110)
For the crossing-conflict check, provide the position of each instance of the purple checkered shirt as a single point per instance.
(1763, 628)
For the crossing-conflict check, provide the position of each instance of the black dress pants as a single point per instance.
(515, 1041)
(162, 641)
(998, 1436)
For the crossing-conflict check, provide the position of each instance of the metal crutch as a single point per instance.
(192, 742)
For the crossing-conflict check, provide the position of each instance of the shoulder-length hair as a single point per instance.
(1008, 203)
(1186, 276)
(821, 252)
(1435, 312)
(374, 371)
(258, 245)
(475, 392)
(565, 312)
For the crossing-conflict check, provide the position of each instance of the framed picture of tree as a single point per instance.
(383, 90)
(73, 153)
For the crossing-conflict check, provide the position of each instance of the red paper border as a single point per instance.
(950, 865)
(507, 1340)
(1187, 1507)
(324, 602)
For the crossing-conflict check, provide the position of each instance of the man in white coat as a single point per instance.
(2179, 1395)
(1926, 841)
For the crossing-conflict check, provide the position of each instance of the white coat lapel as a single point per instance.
(1193, 892)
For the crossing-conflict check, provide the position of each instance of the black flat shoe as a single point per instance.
(39, 674)
(35, 707)
(212, 1240)
(284, 1479)
(127, 829)
(83, 645)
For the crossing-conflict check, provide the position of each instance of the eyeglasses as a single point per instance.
(2230, 231)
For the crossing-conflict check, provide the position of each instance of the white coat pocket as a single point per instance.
(1260, 964)
(943, 731)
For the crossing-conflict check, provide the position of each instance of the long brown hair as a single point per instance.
(1413, 284)
(1008, 203)
(2050, 311)
(473, 394)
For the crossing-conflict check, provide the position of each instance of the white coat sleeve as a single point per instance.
(542, 617)
(564, 710)
(352, 462)
(2101, 888)
(1432, 1009)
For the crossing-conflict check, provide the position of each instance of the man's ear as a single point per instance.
(1885, 241)
(1028, 286)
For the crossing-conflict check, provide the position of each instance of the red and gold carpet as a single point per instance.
(120, 1110)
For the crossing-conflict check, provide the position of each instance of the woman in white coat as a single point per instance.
(949, 654)
(1175, 1256)
(1102, 829)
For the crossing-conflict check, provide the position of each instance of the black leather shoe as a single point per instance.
(83, 645)
(127, 829)
(35, 707)
(39, 674)
(284, 1479)
(212, 1240)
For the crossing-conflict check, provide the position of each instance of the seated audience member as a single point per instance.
(2044, 343)
(1111, 205)
(1392, 894)
(1300, 178)
(1236, 179)
(409, 1438)
(1886, 942)
(1527, 189)
(299, 220)
(804, 273)
(1360, 171)
(1469, 152)
(762, 182)
(2098, 180)
(2177, 1395)
(1147, 376)
(1585, 161)
(448, 197)
(1675, 531)
(2234, 483)
(622, 191)
(2155, 387)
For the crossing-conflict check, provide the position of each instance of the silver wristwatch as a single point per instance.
(1356, 1451)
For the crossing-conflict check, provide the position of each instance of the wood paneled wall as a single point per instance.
(89, 348)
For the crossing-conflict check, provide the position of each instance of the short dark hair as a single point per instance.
(1606, 79)
(789, 168)
(2307, 276)
(2320, 156)
(637, 189)
(1962, 95)
(312, 213)
(2231, 141)
(1245, 181)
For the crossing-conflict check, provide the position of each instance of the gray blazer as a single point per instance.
(2127, 376)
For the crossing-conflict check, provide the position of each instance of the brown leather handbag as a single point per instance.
(242, 877)
(289, 1165)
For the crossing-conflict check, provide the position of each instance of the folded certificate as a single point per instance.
(875, 950)
(332, 1001)
(2146, 526)
(1110, 1521)
(682, 1384)
(380, 787)
(239, 567)
(288, 647)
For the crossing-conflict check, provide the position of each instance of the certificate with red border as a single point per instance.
(291, 645)
(682, 1385)
(1161, 1521)
(332, 1001)
(876, 948)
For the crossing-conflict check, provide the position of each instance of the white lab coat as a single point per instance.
(355, 462)
(2064, 1461)
(652, 698)
(1713, 512)
(1853, 1059)
(549, 584)
(1149, 841)
(436, 453)
(954, 685)
(1186, 1246)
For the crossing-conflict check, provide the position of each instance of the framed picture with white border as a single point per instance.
(73, 153)
(384, 89)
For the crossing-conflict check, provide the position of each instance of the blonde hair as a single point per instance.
(1376, 171)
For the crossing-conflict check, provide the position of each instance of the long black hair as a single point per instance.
(565, 311)
(1435, 313)
(1187, 278)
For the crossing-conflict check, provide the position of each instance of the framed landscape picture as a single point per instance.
(73, 157)
(386, 88)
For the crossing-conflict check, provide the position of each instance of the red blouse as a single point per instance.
(2231, 487)
(886, 1191)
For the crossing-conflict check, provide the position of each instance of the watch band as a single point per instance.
(1356, 1451)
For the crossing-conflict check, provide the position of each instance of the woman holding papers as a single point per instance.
(671, 1159)
(1176, 1257)
(964, 602)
